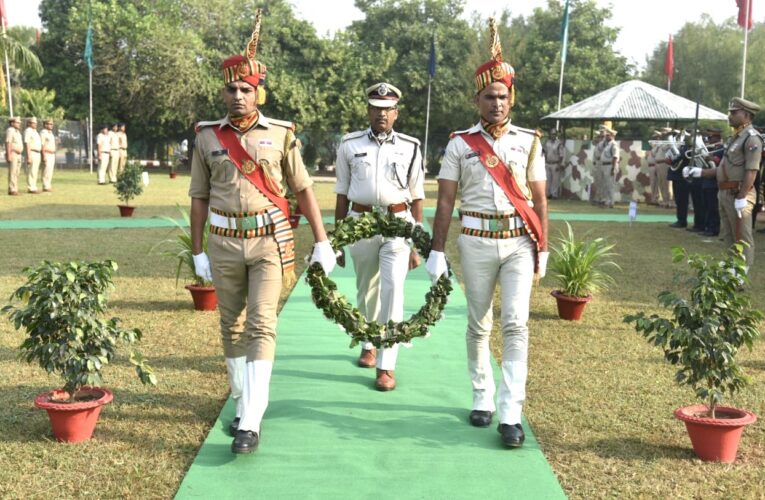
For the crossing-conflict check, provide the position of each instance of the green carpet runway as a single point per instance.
(328, 434)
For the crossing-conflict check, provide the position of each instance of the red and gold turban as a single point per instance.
(495, 69)
(246, 67)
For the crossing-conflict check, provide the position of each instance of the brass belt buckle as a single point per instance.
(247, 223)
(496, 225)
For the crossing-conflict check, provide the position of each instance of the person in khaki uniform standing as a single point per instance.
(554, 152)
(104, 144)
(48, 154)
(241, 167)
(500, 171)
(735, 176)
(122, 134)
(14, 146)
(114, 153)
(663, 162)
(653, 181)
(379, 168)
(598, 183)
(609, 166)
(33, 145)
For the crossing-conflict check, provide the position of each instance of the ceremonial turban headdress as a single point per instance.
(495, 69)
(246, 67)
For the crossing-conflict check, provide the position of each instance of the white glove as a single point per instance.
(543, 256)
(324, 255)
(740, 204)
(202, 266)
(436, 265)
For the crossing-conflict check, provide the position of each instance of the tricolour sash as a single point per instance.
(505, 179)
(254, 173)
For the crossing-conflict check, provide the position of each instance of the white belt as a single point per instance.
(401, 215)
(507, 224)
(256, 221)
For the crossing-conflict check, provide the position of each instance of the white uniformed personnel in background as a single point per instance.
(597, 189)
(48, 154)
(653, 180)
(554, 152)
(123, 142)
(14, 147)
(114, 153)
(380, 169)
(609, 166)
(104, 145)
(33, 145)
(499, 170)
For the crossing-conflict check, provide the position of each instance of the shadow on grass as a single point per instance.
(753, 364)
(631, 450)
(182, 304)
(201, 364)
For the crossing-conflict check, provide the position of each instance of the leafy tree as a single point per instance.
(39, 103)
(21, 59)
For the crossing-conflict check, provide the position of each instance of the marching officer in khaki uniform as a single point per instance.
(663, 162)
(554, 152)
(48, 154)
(122, 134)
(114, 153)
(379, 168)
(33, 145)
(735, 176)
(14, 147)
(104, 143)
(241, 168)
(609, 165)
(598, 182)
(500, 172)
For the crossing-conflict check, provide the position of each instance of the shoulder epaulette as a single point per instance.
(353, 135)
(753, 131)
(530, 131)
(458, 132)
(408, 138)
(201, 125)
(282, 123)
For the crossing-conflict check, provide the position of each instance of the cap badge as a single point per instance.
(383, 90)
(498, 72)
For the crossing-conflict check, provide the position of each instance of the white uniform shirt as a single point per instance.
(373, 174)
(48, 141)
(480, 193)
(104, 143)
(610, 151)
(32, 139)
(554, 151)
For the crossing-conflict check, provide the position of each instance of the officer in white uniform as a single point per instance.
(500, 241)
(555, 158)
(103, 141)
(380, 169)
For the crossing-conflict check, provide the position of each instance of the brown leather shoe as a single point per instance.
(385, 380)
(368, 358)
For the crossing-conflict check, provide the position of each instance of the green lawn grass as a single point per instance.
(600, 399)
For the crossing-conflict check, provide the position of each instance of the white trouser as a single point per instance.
(511, 263)
(381, 265)
(47, 176)
(103, 164)
(114, 159)
(553, 178)
(257, 377)
(33, 169)
(235, 368)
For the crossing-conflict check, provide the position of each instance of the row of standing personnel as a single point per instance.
(111, 152)
(37, 147)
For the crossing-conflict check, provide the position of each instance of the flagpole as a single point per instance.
(427, 124)
(431, 72)
(7, 74)
(746, 42)
(90, 124)
(563, 51)
(560, 89)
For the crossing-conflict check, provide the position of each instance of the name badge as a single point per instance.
(472, 154)
(359, 155)
(220, 152)
(265, 143)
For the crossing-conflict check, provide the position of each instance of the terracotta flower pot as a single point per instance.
(74, 422)
(715, 439)
(570, 307)
(125, 210)
(173, 175)
(204, 297)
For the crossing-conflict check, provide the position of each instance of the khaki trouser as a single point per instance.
(511, 263)
(14, 167)
(248, 280)
(596, 189)
(33, 169)
(731, 226)
(553, 178)
(122, 161)
(381, 265)
(47, 175)
(662, 169)
(608, 179)
(114, 159)
(653, 180)
(103, 166)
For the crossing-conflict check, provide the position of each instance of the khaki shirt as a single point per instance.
(122, 139)
(743, 152)
(114, 140)
(48, 141)
(103, 142)
(32, 139)
(610, 151)
(375, 174)
(273, 146)
(13, 136)
(480, 193)
(554, 151)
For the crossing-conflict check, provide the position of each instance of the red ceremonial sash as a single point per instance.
(248, 167)
(502, 176)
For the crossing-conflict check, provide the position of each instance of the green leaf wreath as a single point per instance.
(335, 305)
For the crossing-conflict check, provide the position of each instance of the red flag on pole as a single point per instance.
(3, 15)
(669, 62)
(745, 13)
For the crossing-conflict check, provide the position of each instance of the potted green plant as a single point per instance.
(580, 268)
(62, 313)
(128, 186)
(179, 248)
(173, 171)
(702, 335)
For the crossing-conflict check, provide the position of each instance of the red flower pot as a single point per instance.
(173, 175)
(715, 439)
(74, 422)
(570, 307)
(204, 297)
(125, 210)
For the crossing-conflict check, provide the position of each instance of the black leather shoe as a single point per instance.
(693, 229)
(233, 428)
(480, 418)
(512, 435)
(245, 442)
(678, 224)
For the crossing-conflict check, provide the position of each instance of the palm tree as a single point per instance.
(19, 57)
